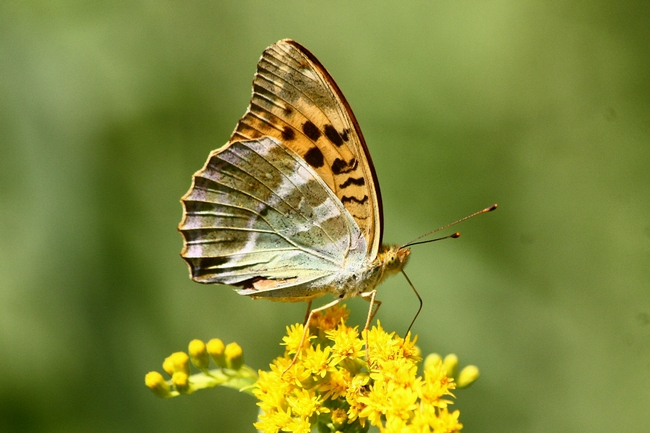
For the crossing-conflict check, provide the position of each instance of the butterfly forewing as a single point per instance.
(296, 101)
(259, 216)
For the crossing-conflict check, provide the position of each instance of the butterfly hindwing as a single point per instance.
(297, 102)
(258, 216)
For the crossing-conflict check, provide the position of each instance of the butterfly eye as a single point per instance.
(392, 260)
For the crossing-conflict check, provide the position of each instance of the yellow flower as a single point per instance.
(329, 384)
(330, 318)
(274, 421)
(304, 403)
(346, 344)
(293, 338)
(337, 385)
(316, 361)
(436, 385)
(339, 417)
(445, 421)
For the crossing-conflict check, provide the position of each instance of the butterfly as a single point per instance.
(290, 208)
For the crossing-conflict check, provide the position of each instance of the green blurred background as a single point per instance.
(107, 108)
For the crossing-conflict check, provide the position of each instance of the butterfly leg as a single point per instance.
(304, 323)
(305, 331)
(374, 307)
(373, 303)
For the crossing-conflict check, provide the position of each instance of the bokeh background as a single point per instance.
(107, 108)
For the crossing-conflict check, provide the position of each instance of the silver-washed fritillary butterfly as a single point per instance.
(289, 209)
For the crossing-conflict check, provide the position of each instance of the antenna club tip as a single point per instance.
(493, 207)
(455, 235)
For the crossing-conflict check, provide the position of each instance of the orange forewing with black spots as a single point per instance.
(295, 100)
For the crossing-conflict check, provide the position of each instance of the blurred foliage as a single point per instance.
(107, 108)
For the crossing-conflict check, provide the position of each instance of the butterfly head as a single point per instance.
(393, 258)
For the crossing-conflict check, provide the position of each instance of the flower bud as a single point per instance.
(468, 376)
(181, 382)
(216, 349)
(234, 356)
(199, 354)
(178, 361)
(156, 383)
(451, 364)
(432, 360)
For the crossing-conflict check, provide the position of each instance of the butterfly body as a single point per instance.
(290, 209)
(346, 283)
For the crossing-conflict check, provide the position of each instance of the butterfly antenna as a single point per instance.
(419, 299)
(455, 235)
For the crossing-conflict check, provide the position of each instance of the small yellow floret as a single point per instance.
(199, 354)
(339, 417)
(346, 344)
(294, 338)
(330, 319)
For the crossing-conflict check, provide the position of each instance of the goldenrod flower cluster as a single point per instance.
(332, 385)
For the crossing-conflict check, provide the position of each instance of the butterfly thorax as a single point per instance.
(390, 260)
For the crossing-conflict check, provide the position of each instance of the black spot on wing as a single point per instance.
(352, 181)
(288, 133)
(346, 199)
(332, 135)
(340, 166)
(344, 136)
(314, 157)
(311, 130)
